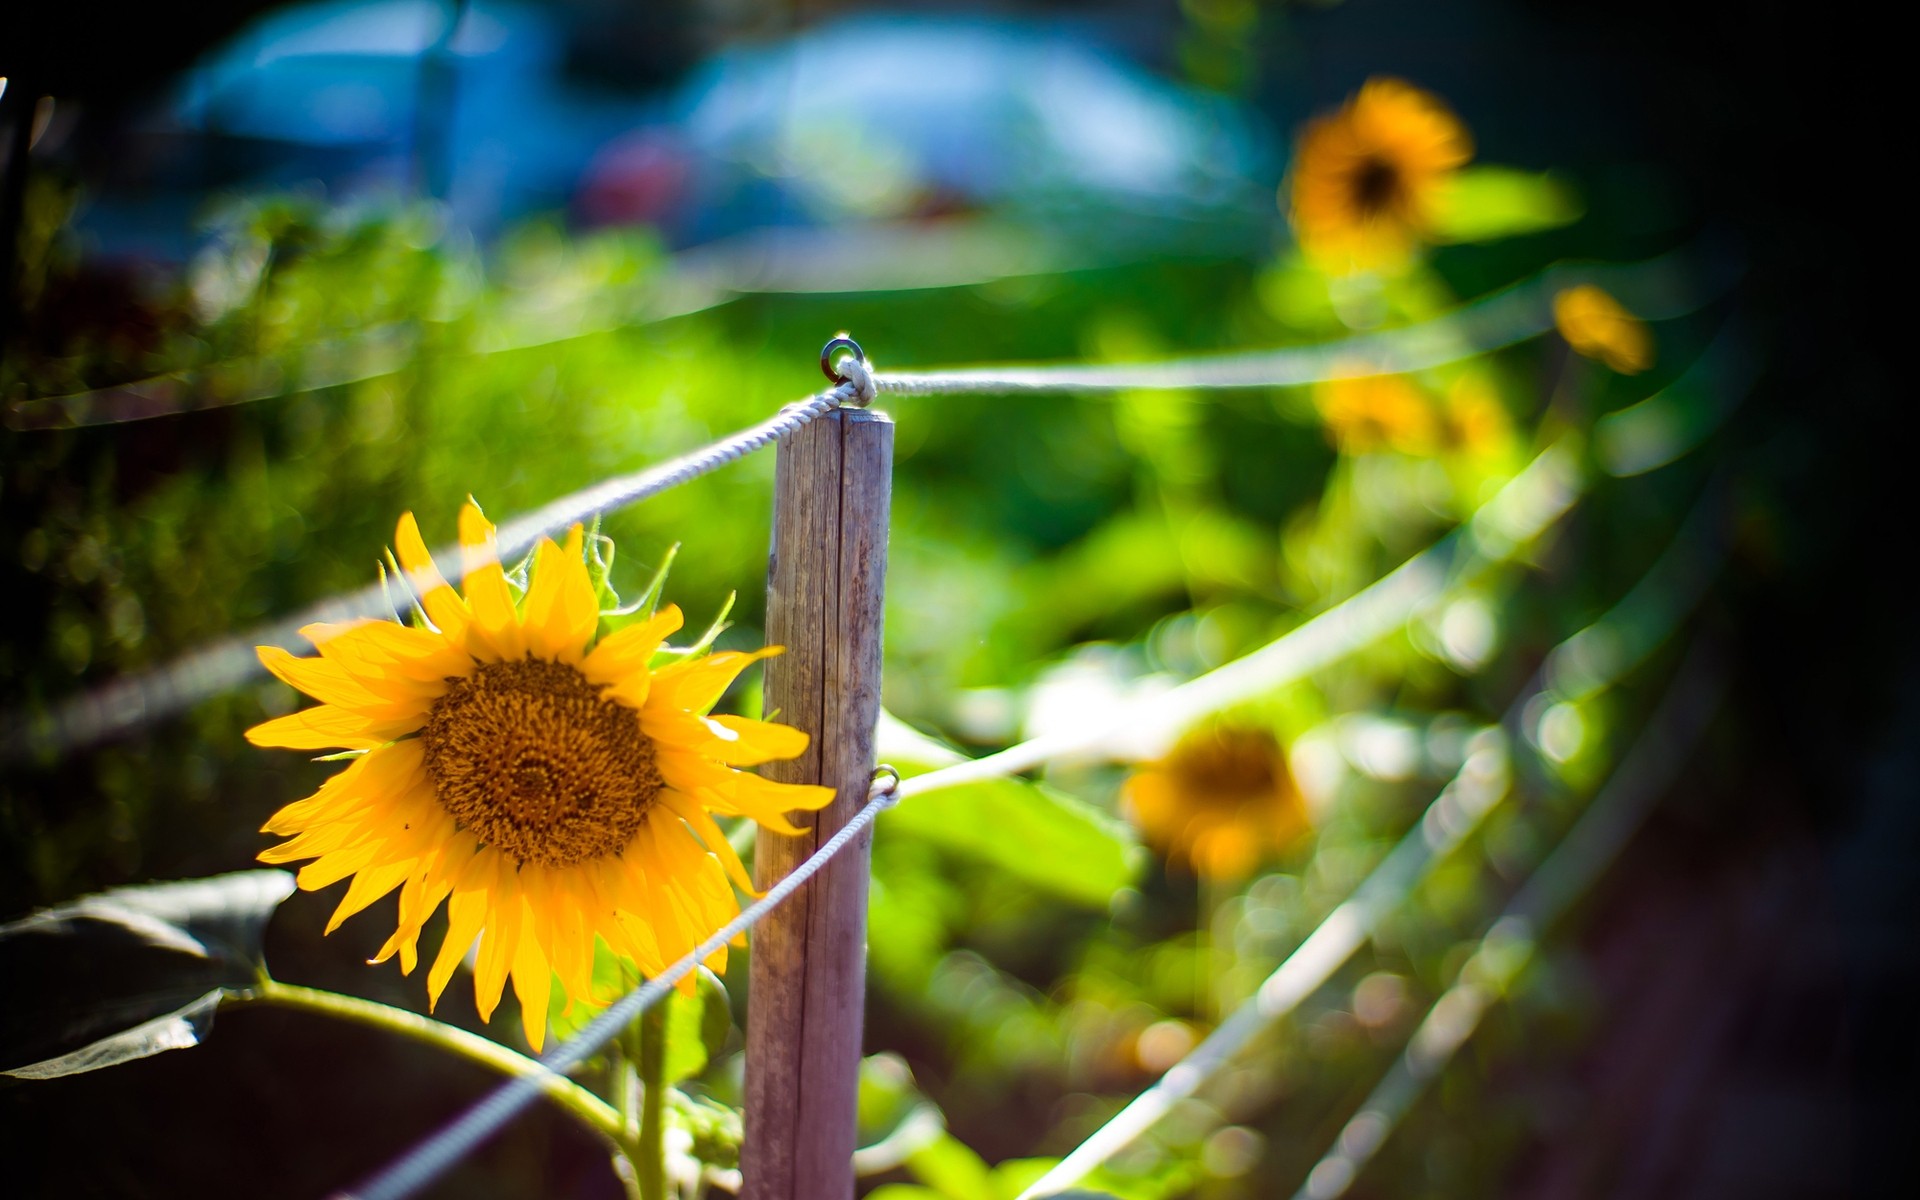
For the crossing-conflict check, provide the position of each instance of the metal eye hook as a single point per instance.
(886, 782)
(850, 369)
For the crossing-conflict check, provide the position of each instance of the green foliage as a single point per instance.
(131, 972)
(1483, 203)
(1033, 960)
(1036, 834)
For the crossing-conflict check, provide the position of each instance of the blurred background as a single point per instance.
(276, 273)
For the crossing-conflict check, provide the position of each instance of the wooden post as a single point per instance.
(825, 582)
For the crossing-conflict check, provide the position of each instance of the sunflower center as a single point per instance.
(1231, 766)
(1376, 186)
(528, 757)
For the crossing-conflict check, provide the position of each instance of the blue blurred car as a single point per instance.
(873, 118)
(886, 118)
(388, 96)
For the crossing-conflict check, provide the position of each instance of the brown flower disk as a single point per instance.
(527, 756)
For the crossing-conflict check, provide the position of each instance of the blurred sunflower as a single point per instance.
(1367, 180)
(1599, 327)
(1377, 412)
(551, 788)
(1222, 801)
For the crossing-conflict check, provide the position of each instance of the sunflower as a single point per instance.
(1377, 412)
(1600, 327)
(1367, 180)
(1222, 800)
(550, 786)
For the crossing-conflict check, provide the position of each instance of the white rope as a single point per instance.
(1500, 319)
(229, 662)
(1575, 865)
(428, 1159)
(1522, 510)
(1525, 507)
(1493, 322)
(1690, 559)
(1480, 785)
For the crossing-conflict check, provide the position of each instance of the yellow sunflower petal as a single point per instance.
(367, 886)
(331, 683)
(787, 797)
(396, 654)
(567, 936)
(338, 798)
(379, 775)
(631, 935)
(562, 611)
(466, 914)
(332, 867)
(500, 941)
(620, 657)
(422, 896)
(703, 888)
(735, 793)
(532, 984)
(419, 896)
(689, 810)
(444, 607)
(357, 830)
(325, 727)
(674, 901)
(495, 633)
(756, 742)
(694, 686)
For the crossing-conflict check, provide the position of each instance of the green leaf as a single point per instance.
(1483, 204)
(1016, 1175)
(895, 1120)
(718, 627)
(715, 1129)
(951, 1168)
(697, 1027)
(649, 601)
(131, 972)
(1041, 836)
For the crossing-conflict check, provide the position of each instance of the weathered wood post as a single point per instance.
(825, 582)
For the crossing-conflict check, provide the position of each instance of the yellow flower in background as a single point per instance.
(1222, 801)
(1600, 327)
(549, 786)
(1367, 180)
(1377, 412)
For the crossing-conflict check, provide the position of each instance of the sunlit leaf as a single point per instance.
(697, 1027)
(1485, 203)
(1016, 1175)
(714, 1130)
(1035, 833)
(131, 972)
(952, 1169)
(895, 1120)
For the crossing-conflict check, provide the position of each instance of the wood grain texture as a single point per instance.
(825, 585)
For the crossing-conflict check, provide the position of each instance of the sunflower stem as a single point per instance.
(1211, 1002)
(578, 1102)
(651, 1159)
(624, 1084)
